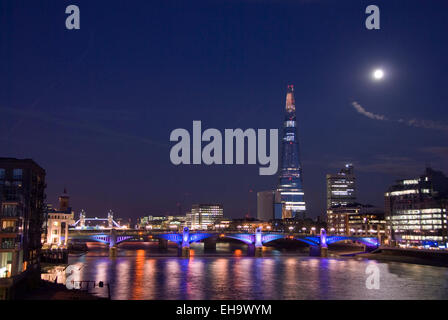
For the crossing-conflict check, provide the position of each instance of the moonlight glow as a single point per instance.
(378, 74)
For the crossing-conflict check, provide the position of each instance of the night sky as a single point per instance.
(95, 107)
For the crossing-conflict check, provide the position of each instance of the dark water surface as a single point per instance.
(141, 272)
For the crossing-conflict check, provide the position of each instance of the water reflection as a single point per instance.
(137, 274)
(171, 270)
(219, 270)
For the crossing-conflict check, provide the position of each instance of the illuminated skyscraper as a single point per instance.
(341, 187)
(290, 186)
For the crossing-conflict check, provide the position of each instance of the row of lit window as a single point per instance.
(411, 237)
(406, 192)
(414, 211)
(416, 217)
(17, 174)
(417, 227)
(397, 223)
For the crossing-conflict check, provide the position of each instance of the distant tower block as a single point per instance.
(64, 201)
(290, 186)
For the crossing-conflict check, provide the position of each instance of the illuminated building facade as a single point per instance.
(249, 225)
(204, 216)
(290, 186)
(341, 187)
(58, 222)
(22, 185)
(162, 222)
(416, 210)
(355, 219)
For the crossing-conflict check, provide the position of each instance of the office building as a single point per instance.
(416, 210)
(204, 216)
(341, 187)
(355, 219)
(22, 184)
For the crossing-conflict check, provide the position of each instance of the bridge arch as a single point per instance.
(309, 240)
(368, 241)
(245, 238)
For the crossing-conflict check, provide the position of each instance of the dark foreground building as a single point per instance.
(416, 210)
(22, 184)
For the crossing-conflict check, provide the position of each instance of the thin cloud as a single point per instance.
(366, 113)
(416, 123)
(427, 124)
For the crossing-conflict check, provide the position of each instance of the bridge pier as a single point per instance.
(183, 252)
(184, 246)
(113, 243)
(163, 244)
(322, 249)
(113, 252)
(318, 251)
(210, 244)
(254, 251)
(258, 242)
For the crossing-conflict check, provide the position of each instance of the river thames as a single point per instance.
(140, 272)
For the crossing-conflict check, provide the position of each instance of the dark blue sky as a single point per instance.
(95, 107)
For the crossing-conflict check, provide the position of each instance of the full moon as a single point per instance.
(378, 74)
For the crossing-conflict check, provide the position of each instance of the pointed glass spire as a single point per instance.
(290, 186)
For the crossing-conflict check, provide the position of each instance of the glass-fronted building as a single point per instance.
(416, 210)
(203, 216)
(290, 186)
(341, 187)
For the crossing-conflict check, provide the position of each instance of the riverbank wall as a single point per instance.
(416, 256)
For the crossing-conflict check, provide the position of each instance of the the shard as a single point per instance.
(290, 187)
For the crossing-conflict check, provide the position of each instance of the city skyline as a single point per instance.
(98, 120)
(148, 153)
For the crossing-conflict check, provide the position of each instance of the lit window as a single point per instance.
(17, 173)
